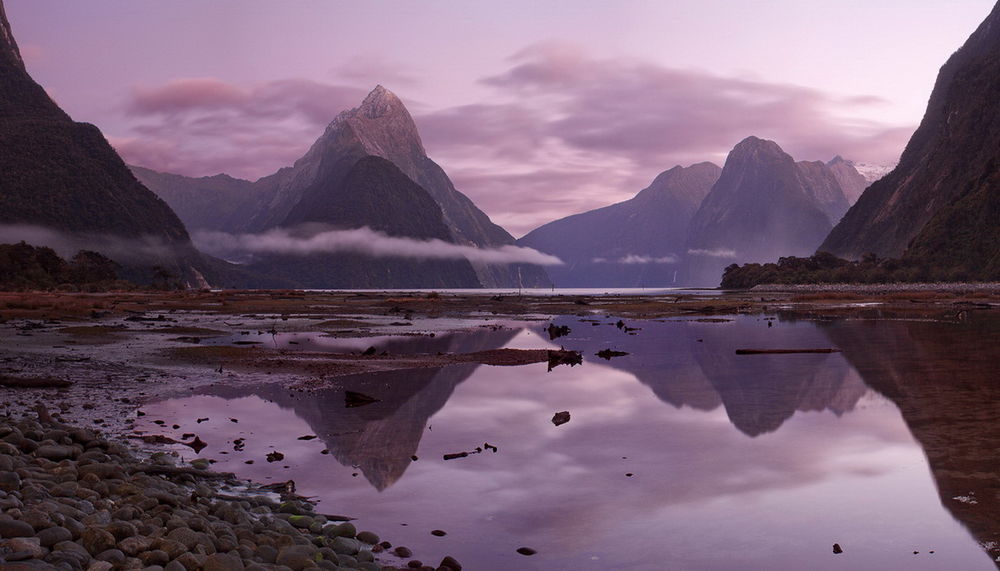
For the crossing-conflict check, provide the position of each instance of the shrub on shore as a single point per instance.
(825, 268)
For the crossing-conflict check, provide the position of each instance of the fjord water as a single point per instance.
(680, 455)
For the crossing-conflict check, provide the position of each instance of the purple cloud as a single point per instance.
(562, 132)
(658, 115)
(204, 126)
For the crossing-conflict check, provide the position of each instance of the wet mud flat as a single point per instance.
(103, 361)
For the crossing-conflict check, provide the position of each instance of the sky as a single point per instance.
(537, 109)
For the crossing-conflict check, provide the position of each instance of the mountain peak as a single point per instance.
(8, 47)
(753, 148)
(383, 127)
(756, 143)
(381, 102)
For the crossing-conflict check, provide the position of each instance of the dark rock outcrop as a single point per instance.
(635, 243)
(943, 199)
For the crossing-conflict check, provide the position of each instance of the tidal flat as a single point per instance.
(459, 425)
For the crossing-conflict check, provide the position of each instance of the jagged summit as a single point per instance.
(381, 102)
(385, 128)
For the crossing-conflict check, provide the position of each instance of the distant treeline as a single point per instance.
(825, 268)
(23, 267)
(27, 267)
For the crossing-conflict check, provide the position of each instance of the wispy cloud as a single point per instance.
(633, 259)
(367, 242)
(204, 126)
(715, 253)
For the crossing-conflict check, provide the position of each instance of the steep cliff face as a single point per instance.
(947, 182)
(64, 176)
(635, 243)
(760, 209)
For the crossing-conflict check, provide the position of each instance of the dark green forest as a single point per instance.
(825, 268)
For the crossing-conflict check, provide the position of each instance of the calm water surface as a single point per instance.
(681, 455)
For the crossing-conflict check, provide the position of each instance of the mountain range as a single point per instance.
(633, 243)
(941, 204)
(369, 170)
(692, 222)
(694, 365)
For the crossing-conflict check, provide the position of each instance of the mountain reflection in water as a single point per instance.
(696, 365)
(379, 439)
(816, 458)
(945, 379)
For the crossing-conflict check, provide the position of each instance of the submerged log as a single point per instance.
(782, 351)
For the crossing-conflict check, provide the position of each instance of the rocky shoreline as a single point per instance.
(71, 499)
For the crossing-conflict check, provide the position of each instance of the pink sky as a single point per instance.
(537, 109)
